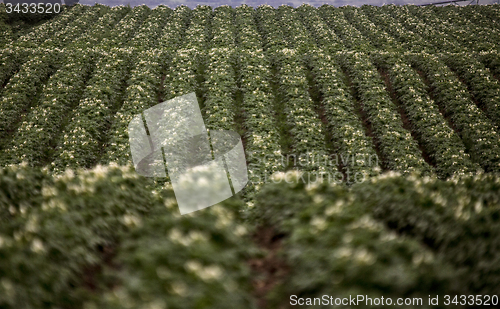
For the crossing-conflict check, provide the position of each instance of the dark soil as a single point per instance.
(363, 116)
(161, 94)
(317, 97)
(406, 122)
(270, 270)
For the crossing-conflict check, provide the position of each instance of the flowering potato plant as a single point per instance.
(476, 130)
(76, 28)
(101, 28)
(172, 35)
(478, 38)
(347, 129)
(483, 86)
(263, 148)
(484, 37)
(39, 131)
(451, 217)
(399, 150)
(5, 28)
(406, 38)
(433, 132)
(81, 141)
(24, 89)
(334, 246)
(378, 37)
(439, 39)
(140, 95)
(492, 61)
(56, 231)
(46, 30)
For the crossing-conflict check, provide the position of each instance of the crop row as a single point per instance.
(144, 85)
(476, 130)
(82, 222)
(181, 77)
(389, 237)
(407, 39)
(470, 29)
(345, 126)
(220, 105)
(488, 14)
(319, 29)
(76, 28)
(223, 21)
(59, 227)
(350, 141)
(305, 126)
(101, 28)
(452, 218)
(186, 61)
(355, 16)
(148, 34)
(7, 66)
(141, 94)
(332, 245)
(186, 72)
(12, 59)
(459, 31)
(38, 131)
(272, 35)
(378, 37)
(82, 139)
(365, 233)
(172, 35)
(247, 35)
(438, 139)
(24, 89)
(435, 137)
(353, 147)
(219, 79)
(482, 85)
(492, 61)
(439, 39)
(220, 87)
(198, 33)
(306, 130)
(126, 28)
(351, 37)
(43, 32)
(294, 31)
(165, 257)
(262, 147)
(347, 130)
(476, 38)
(399, 150)
(5, 28)
(264, 153)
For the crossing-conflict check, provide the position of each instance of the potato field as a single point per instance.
(371, 136)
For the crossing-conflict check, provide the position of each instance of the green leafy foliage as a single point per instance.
(476, 130)
(60, 235)
(458, 219)
(438, 139)
(400, 151)
(334, 246)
